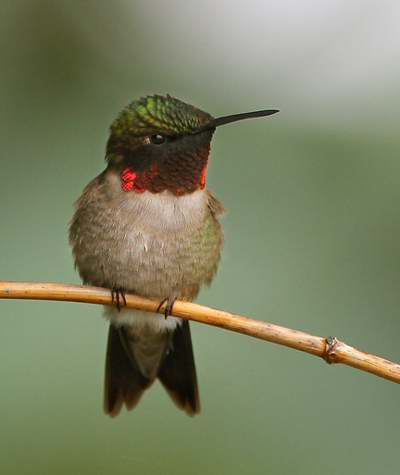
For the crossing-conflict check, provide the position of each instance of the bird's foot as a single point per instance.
(167, 303)
(118, 298)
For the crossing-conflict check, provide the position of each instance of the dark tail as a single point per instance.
(124, 379)
(124, 383)
(178, 372)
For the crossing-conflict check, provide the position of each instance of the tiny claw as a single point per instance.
(169, 307)
(118, 298)
(162, 303)
(169, 303)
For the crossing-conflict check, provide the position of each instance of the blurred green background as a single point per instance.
(312, 231)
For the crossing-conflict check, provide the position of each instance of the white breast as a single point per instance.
(152, 216)
(161, 211)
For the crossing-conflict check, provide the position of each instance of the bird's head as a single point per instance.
(160, 143)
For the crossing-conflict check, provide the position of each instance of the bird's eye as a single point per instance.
(157, 139)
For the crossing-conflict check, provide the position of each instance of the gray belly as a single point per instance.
(112, 250)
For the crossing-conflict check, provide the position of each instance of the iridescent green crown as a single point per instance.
(159, 114)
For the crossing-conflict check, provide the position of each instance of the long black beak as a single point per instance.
(227, 119)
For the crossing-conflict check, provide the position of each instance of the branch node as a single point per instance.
(330, 350)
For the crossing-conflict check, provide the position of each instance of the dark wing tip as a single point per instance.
(178, 372)
(124, 384)
(188, 402)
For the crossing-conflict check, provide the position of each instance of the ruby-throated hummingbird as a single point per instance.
(148, 225)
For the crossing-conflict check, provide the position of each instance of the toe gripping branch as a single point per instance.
(118, 298)
(168, 304)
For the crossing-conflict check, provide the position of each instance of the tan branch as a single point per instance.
(330, 349)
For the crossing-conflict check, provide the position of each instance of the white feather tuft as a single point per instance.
(139, 319)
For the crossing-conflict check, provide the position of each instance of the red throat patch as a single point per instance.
(128, 181)
(203, 177)
(140, 182)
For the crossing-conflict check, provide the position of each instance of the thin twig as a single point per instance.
(330, 349)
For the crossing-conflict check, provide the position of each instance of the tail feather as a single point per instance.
(128, 373)
(178, 372)
(124, 383)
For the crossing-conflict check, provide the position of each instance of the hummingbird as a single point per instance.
(148, 225)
